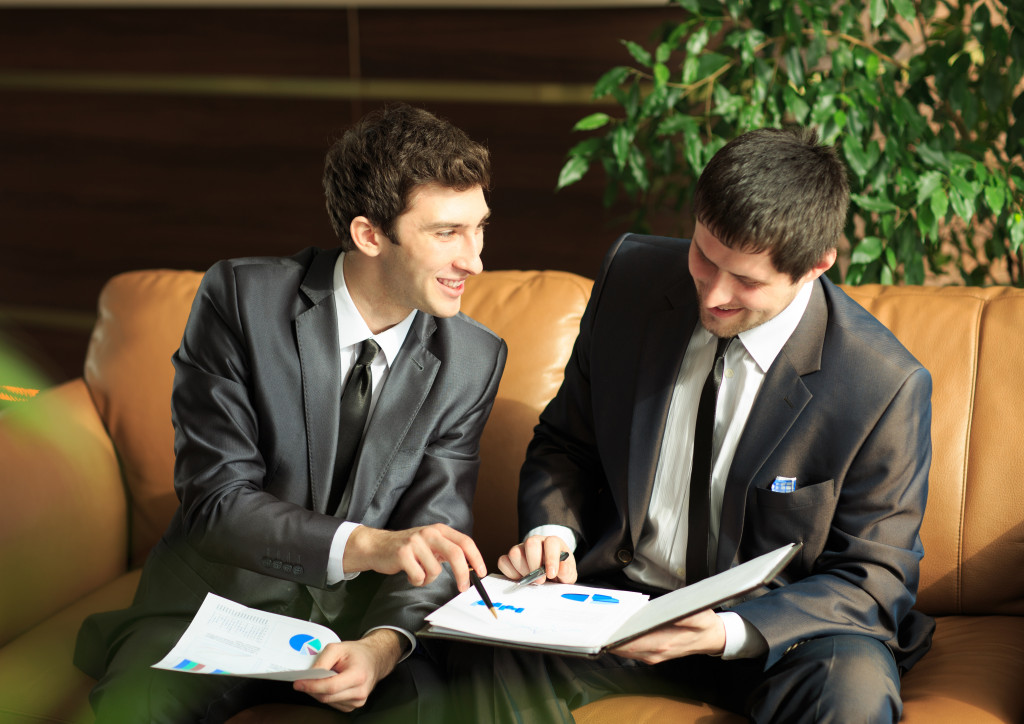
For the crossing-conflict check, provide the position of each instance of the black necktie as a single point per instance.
(355, 405)
(697, 553)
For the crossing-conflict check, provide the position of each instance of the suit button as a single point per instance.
(277, 565)
(297, 570)
(267, 563)
(624, 556)
(287, 567)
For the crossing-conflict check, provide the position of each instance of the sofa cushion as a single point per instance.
(538, 315)
(141, 317)
(63, 522)
(38, 681)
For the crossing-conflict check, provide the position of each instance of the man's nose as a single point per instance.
(469, 260)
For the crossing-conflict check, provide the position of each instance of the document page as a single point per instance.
(227, 638)
(581, 620)
(552, 615)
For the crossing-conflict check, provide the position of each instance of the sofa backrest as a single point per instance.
(141, 318)
(967, 337)
(970, 339)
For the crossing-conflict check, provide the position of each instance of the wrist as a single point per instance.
(359, 549)
(387, 648)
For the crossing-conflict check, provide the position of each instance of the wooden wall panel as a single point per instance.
(158, 40)
(95, 180)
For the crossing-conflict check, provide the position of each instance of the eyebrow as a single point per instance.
(454, 225)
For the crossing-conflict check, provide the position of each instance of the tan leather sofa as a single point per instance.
(85, 473)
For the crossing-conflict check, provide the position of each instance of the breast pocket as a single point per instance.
(803, 516)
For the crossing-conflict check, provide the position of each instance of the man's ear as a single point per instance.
(823, 265)
(366, 237)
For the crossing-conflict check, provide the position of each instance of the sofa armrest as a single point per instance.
(63, 519)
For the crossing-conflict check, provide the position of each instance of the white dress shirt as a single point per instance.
(660, 558)
(352, 332)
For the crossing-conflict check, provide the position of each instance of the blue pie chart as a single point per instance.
(305, 644)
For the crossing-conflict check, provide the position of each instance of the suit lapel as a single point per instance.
(405, 389)
(782, 398)
(664, 345)
(316, 330)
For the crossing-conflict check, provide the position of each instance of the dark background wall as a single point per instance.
(162, 137)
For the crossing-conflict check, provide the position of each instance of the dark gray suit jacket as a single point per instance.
(255, 407)
(844, 408)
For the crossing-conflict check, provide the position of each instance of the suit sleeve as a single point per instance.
(220, 477)
(865, 580)
(562, 479)
(442, 491)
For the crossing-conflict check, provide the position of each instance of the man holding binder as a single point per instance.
(724, 399)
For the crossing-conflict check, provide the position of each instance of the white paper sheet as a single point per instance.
(552, 614)
(227, 638)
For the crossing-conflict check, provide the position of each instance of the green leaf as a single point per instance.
(661, 75)
(870, 203)
(995, 197)
(856, 157)
(868, 250)
(939, 203)
(662, 52)
(610, 80)
(962, 206)
(795, 66)
(1016, 226)
(927, 184)
(913, 269)
(572, 171)
(637, 169)
(622, 139)
(640, 54)
(878, 10)
(677, 122)
(932, 157)
(796, 105)
(592, 122)
(710, 63)
(905, 8)
(587, 147)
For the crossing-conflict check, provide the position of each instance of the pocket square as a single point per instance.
(783, 485)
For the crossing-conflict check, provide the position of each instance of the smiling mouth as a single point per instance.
(454, 284)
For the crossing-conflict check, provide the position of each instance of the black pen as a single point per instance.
(534, 574)
(479, 586)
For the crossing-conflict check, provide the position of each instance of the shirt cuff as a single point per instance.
(335, 569)
(412, 640)
(561, 531)
(742, 640)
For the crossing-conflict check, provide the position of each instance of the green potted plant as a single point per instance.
(921, 96)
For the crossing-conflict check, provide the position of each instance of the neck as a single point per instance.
(369, 293)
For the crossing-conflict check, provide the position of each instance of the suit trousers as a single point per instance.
(841, 679)
(130, 691)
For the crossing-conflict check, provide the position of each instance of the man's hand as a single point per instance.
(537, 551)
(359, 665)
(417, 551)
(701, 633)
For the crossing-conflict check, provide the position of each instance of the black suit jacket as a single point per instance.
(255, 407)
(844, 408)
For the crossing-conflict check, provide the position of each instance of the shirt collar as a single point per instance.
(765, 341)
(352, 328)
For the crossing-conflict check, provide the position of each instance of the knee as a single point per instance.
(844, 679)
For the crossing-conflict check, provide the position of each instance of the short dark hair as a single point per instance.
(371, 170)
(777, 190)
